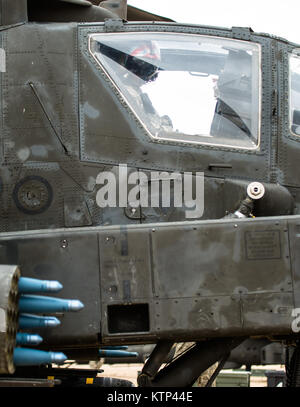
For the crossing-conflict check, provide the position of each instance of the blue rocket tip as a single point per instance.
(75, 305)
(52, 322)
(58, 357)
(53, 286)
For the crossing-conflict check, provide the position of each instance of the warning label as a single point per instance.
(263, 245)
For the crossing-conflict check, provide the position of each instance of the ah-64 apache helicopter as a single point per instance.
(99, 108)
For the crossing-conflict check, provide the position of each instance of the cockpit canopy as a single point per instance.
(186, 87)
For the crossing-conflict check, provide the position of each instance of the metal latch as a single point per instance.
(113, 24)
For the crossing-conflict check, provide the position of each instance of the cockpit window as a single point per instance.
(295, 94)
(185, 87)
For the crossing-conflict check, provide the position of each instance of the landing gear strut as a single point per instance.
(184, 370)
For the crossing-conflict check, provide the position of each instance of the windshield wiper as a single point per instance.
(224, 110)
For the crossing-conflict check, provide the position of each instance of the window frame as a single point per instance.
(293, 54)
(186, 141)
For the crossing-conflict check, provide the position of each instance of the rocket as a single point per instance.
(28, 339)
(30, 304)
(33, 285)
(116, 354)
(41, 304)
(34, 357)
(33, 321)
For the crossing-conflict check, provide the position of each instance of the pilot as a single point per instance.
(141, 61)
(234, 97)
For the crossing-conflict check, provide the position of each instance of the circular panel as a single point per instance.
(33, 195)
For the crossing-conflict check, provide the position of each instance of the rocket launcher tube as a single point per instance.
(41, 304)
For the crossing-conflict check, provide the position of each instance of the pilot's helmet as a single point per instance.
(146, 50)
(143, 60)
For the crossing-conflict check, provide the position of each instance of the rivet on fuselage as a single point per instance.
(64, 243)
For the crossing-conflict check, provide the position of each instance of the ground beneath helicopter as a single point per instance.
(130, 372)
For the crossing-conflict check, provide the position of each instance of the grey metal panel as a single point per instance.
(213, 279)
(13, 15)
(220, 260)
(76, 212)
(197, 316)
(267, 311)
(294, 231)
(36, 59)
(125, 258)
